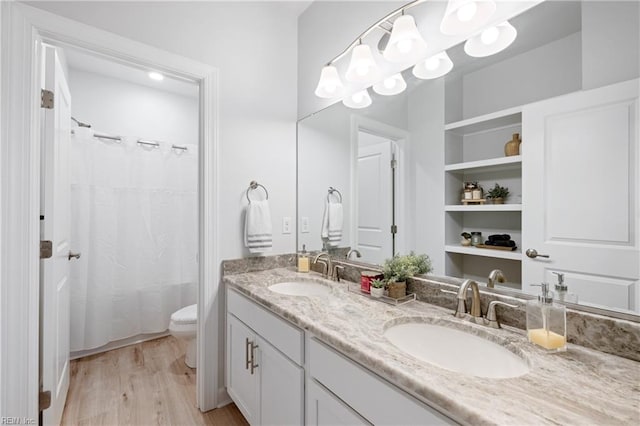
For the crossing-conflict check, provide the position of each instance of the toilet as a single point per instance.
(183, 326)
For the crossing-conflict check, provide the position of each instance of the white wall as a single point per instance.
(547, 71)
(611, 37)
(254, 45)
(118, 107)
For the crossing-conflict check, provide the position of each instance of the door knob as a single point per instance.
(73, 255)
(533, 253)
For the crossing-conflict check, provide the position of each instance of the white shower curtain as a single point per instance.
(134, 219)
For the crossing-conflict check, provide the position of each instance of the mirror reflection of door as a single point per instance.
(375, 222)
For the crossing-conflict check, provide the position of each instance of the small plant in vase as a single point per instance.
(399, 268)
(498, 194)
(377, 287)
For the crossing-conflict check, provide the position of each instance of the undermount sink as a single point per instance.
(456, 350)
(300, 288)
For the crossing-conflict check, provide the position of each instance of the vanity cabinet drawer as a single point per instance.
(285, 337)
(372, 397)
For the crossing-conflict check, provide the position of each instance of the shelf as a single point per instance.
(490, 165)
(504, 118)
(473, 251)
(484, 208)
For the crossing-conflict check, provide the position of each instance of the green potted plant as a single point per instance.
(498, 194)
(399, 268)
(377, 287)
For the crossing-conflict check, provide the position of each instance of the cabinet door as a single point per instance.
(281, 387)
(242, 383)
(580, 189)
(325, 409)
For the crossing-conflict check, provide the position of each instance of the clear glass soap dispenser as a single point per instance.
(303, 260)
(562, 290)
(547, 321)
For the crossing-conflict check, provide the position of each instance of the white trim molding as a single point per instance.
(21, 30)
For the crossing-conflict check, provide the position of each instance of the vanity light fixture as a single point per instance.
(433, 67)
(390, 85)
(154, 75)
(363, 68)
(405, 44)
(358, 100)
(330, 85)
(466, 16)
(491, 40)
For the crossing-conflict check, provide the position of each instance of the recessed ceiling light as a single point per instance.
(156, 76)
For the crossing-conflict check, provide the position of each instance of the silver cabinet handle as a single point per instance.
(247, 360)
(253, 355)
(533, 253)
(73, 255)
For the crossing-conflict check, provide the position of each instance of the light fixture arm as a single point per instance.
(378, 24)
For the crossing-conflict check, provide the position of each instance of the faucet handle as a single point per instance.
(336, 272)
(492, 317)
(449, 291)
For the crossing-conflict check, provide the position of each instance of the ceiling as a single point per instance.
(89, 62)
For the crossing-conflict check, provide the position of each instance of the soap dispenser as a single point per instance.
(547, 321)
(562, 290)
(303, 260)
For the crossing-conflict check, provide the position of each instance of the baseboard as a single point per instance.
(223, 398)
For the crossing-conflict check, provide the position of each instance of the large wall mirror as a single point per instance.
(398, 167)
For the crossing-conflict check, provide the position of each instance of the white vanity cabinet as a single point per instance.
(344, 393)
(263, 364)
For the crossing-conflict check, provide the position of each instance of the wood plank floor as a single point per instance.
(143, 384)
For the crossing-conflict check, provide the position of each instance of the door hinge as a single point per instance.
(394, 229)
(46, 99)
(46, 249)
(394, 163)
(44, 400)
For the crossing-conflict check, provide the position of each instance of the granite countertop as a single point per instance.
(580, 386)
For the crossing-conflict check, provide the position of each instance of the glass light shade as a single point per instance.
(491, 41)
(466, 16)
(405, 44)
(433, 67)
(358, 100)
(329, 85)
(390, 85)
(363, 68)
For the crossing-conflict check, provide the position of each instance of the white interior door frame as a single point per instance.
(401, 139)
(21, 27)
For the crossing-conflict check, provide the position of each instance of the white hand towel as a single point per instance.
(257, 227)
(332, 223)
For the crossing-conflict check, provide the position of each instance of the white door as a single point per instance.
(375, 198)
(325, 409)
(580, 194)
(242, 381)
(281, 387)
(55, 207)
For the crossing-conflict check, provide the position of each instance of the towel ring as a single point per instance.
(254, 185)
(331, 191)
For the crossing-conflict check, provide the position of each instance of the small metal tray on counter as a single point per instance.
(410, 297)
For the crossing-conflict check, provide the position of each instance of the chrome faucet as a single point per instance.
(496, 276)
(326, 270)
(492, 317)
(352, 251)
(461, 309)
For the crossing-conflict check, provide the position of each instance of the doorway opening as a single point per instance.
(119, 201)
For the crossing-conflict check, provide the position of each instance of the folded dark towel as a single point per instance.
(509, 243)
(499, 237)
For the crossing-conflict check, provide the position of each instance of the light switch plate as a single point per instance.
(286, 225)
(304, 224)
